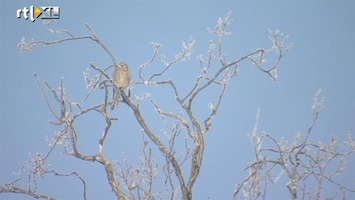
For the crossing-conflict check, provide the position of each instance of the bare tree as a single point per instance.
(310, 168)
(182, 162)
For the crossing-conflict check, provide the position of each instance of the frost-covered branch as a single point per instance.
(307, 165)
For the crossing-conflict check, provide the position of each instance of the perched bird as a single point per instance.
(122, 78)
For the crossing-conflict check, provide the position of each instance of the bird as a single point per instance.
(121, 78)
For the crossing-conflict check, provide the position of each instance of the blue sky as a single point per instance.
(322, 33)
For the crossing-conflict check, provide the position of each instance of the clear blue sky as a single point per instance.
(322, 33)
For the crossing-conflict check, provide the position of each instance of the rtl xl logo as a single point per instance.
(43, 12)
